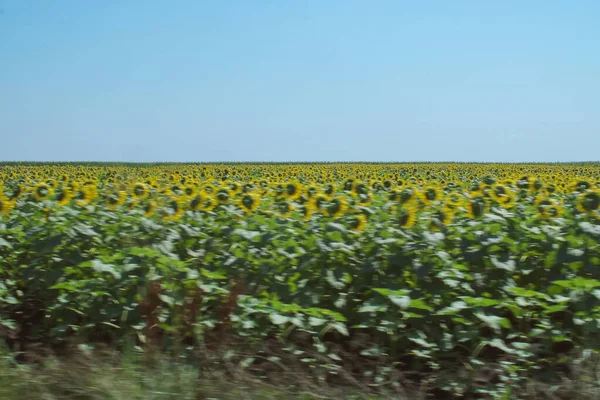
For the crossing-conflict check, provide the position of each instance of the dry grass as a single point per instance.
(112, 376)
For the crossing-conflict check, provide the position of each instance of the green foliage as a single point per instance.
(504, 291)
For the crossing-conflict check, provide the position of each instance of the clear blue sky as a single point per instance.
(300, 80)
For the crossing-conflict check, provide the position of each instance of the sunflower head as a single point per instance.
(357, 222)
(430, 195)
(149, 208)
(360, 189)
(306, 212)
(588, 201)
(548, 208)
(249, 202)
(6, 206)
(476, 207)
(293, 190)
(63, 195)
(408, 195)
(115, 199)
(284, 209)
(223, 195)
(406, 217)
(42, 191)
(195, 202)
(580, 186)
(336, 207)
(348, 185)
(174, 209)
(329, 190)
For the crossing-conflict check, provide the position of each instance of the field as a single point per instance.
(456, 279)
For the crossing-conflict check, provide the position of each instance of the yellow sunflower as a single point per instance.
(249, 202)
(115, 199)
(430, 195)
(406, 217)
(476, 207)
(336, 207)
(223, 195)
(357, 222)
(293, 190)
(284, 209)
(174, 208)
(149, 208)
(139, 190)
(63, 195)
(306, 211)
(209, 203)
(548, 208)
(588, 201)
(6, 205)
(42, 191)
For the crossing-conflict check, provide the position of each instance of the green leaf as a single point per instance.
(340, 327)
(314, 321)
(278, 319)
(99, 266)
(493, 321)
(212, 274)
(248, 235)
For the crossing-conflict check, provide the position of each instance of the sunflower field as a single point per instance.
(385, 271)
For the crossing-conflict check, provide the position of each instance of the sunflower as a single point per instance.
(408, 195)
(139, 190)
(17, 190)
(406, 217)
(115, 199)
(280, 191)
(336, 207)
(249, 202)
(209, 189)
(329, 190)
(551, 188)
(318, 203)
(209, 203)
(363, 199)
(394, 196)
(85, 195)
(6, 205)
(588, 201)
(360, 189)
(498, 192)
(234, 187)
(476, 207)
(149, 209)
(348, 185)
(507, 201)
(525, 182)
(223, 195)
(579, 186)
(42, 191)
(447, 213)
(311, 191)
(189, 191)
(455, 199)
(174, 208)
(548, 208)
(195, 203)
(284, 209)
(306, 212)
(430, 195)
(357, 222)
(63, 195)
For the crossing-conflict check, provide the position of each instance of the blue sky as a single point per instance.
(291, 80)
